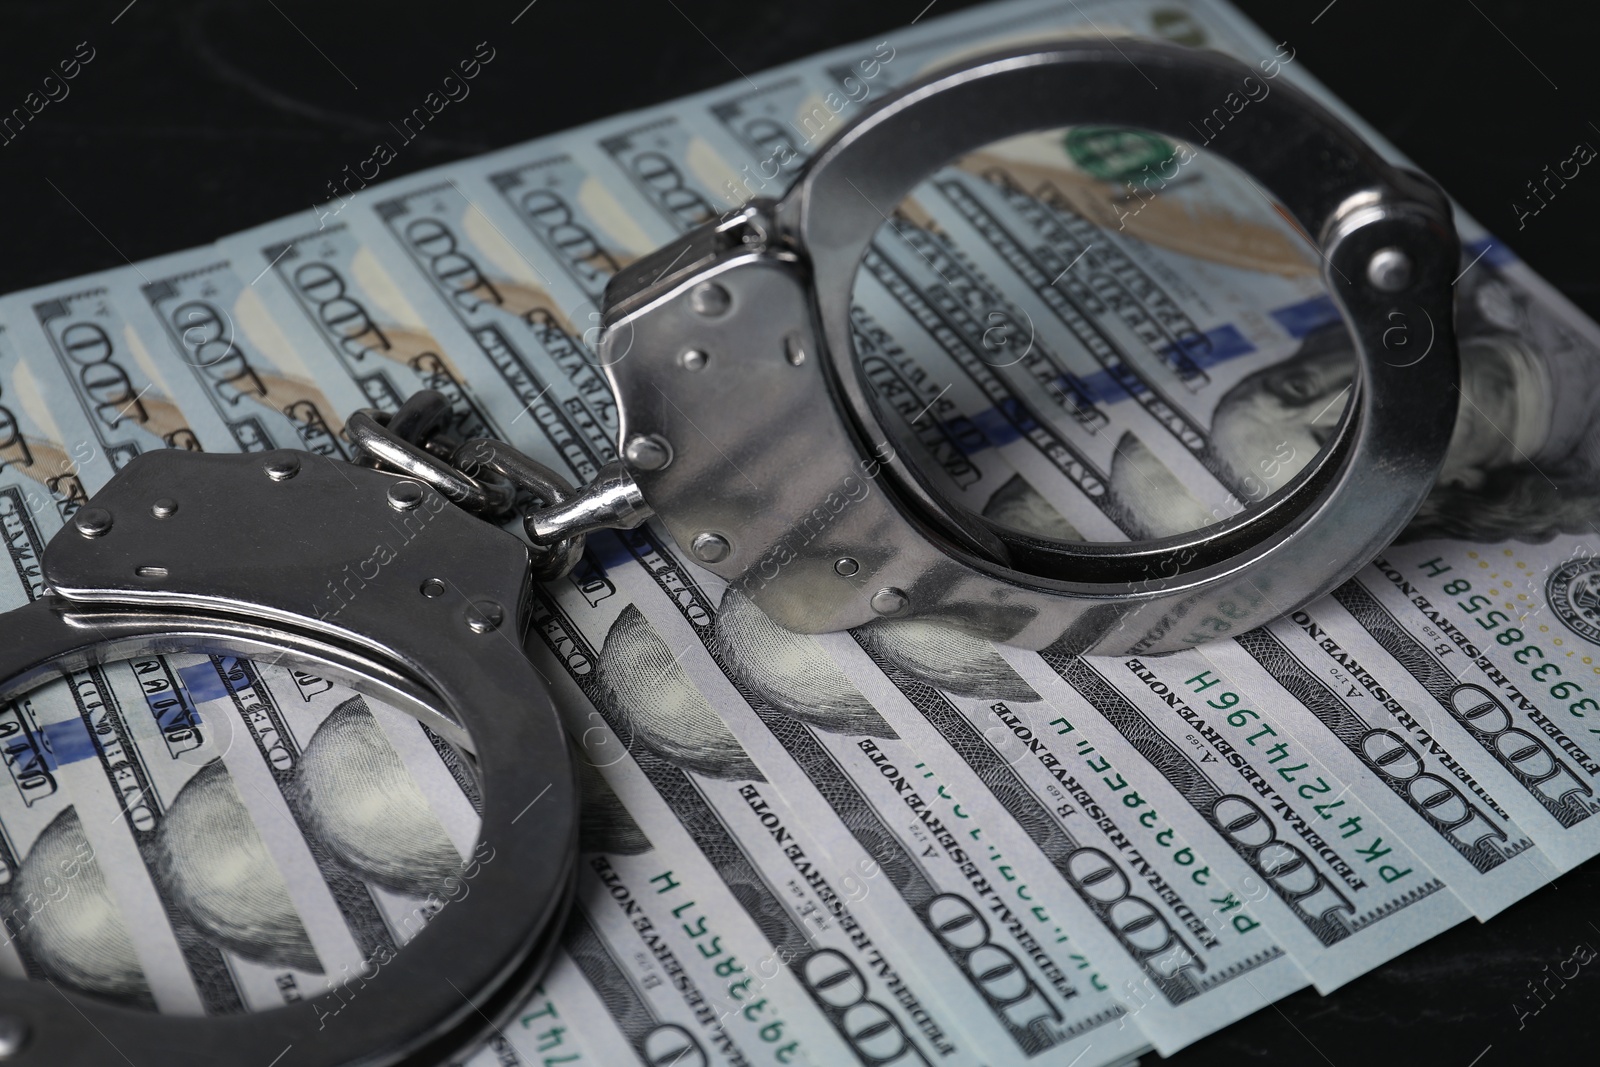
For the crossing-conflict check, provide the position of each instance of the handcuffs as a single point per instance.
(742, 413)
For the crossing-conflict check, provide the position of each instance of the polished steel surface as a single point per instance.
(319, 569)
(611, 501)
(389, 449)
(555, 515)
(790, 461)
(556, 554)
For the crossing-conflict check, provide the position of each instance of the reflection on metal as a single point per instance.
(226, 556)
(791, 457)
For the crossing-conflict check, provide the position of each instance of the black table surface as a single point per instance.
(196, 118)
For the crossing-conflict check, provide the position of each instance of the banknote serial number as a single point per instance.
(1545, 670)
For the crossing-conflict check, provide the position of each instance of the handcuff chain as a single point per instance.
(412, 441)
(486, 477)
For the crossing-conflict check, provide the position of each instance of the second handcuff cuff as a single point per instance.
(747, 428)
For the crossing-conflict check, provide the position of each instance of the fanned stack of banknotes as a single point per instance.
(900, 845)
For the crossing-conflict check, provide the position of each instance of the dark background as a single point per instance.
(199, 118)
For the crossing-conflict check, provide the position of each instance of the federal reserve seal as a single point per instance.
(1574, 595)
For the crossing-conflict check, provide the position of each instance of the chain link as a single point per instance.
(480, 475)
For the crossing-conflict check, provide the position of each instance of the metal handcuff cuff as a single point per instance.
(743, 419)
